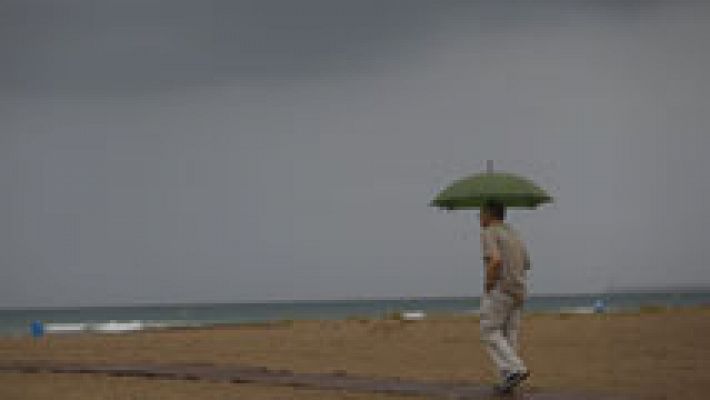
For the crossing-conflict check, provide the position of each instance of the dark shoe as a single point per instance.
(511, 382)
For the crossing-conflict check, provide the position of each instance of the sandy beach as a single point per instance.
(653, 354)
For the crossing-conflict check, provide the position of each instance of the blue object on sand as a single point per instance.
(37, 329)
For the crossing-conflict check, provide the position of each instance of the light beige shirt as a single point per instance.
(504, 242)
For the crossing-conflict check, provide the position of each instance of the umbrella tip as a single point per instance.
(489, 166)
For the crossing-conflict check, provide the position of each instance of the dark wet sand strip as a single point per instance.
(247, 374)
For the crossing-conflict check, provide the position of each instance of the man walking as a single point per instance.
(506, 262)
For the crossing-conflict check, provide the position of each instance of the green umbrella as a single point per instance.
(510, 189)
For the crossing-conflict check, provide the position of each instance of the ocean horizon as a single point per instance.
(16, 321)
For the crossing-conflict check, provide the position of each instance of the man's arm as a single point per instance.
(492, 260)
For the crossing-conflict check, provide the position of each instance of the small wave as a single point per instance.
(117, 327)
(114, 326)
(65, 327)
(415, 315)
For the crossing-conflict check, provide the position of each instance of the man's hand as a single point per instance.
(489, 285)
(492, 273)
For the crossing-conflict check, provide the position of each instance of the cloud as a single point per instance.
(122, 47)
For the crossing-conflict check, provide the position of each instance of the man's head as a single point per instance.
(492, 211)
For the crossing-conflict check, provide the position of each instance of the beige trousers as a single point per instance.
(500, 323)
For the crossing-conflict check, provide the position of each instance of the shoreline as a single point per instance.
(94, 328)
(140, 317)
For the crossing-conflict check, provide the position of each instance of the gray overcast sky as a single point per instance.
(198, 150)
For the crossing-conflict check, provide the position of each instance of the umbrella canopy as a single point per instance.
(472, 192)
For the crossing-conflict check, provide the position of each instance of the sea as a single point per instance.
(18, 322)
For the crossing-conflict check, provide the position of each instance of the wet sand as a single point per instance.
(91, 387)
(655, 353)
(343, 381)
